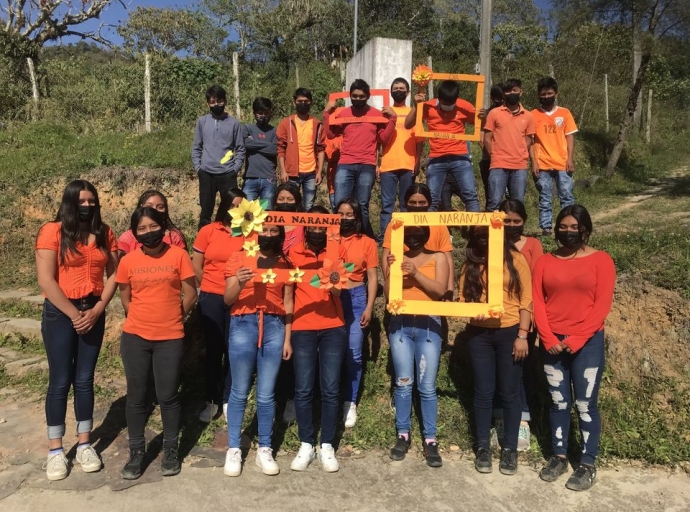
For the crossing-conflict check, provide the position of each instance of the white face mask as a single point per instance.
(446, 108)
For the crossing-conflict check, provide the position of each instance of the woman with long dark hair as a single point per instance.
(259, 339)
(573, 294)
(497, 345)
(213, 247)
(72, 254)
(358, 299)
(158, 291)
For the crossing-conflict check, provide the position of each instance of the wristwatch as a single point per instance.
(521, 337)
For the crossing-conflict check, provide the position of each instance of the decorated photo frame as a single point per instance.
(343, 95)
(420, 132)
(494, 305)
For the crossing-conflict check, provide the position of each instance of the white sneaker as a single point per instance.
(523, 437)
(225, 411)
(89, 459)
(209, 412)
(289, 414)
(265, 460)
(327, 457)
(304, 457)
(56, 466)
(233, 462)
(349, 414)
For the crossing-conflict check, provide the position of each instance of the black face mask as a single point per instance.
(417, 209)
(514, 232)
(569, 239)
(217, 110)
(316, 241)
(415, 241)
(399, 96)
(303, 108)
(86, 213)
(359, 104)
(151, 239)
(270, 243)
(512, 99)
(548, 102)
(348, 227)
(262, 120)
(285, 207)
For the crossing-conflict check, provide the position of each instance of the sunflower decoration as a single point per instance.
(397, 223)
(250, 247)
(249, 216)
(497, 219)
(496, 311)
(296, 275)
(269, 276)
(332, 275)
(396, 307)
(421, 76)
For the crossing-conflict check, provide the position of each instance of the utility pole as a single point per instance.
(485, 37)
(354, 44)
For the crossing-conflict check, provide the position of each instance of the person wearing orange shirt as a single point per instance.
(573, 294)
(554, 149)
(72, 255)
(213, 247)
(508, 139)
(259, 339)
(301, 144)
(358, 299)
(448, 114)
(319, 342)
(415, 342)
(399, 157)
(151, 280)
(333, 147)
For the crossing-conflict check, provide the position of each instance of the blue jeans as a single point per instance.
(582, 371)
(392, 183)
(356, 181)
(354, 303)
(526, 383)
(415, 339)
(72, 361)
(245, 356)
(260, 188)
(491, 352)
(215, 322)
(307, 182)
(514, 179)
(463, 172)
(320, 351)
(564, 186)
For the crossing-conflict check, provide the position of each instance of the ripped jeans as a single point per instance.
(580, 372)
(415, 341)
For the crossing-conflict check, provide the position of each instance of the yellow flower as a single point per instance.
(296, 275)
(269, 276)
(497, 219)
(496, 311)
(227, 157)
(421, 75)
(396, 307)
(248, 216)
(251, 248)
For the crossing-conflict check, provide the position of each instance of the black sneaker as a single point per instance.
(170, 465)
(433, 459)
(400, 449)
(509, 461)
(582, 479)
(135, 465)
(483, 461)
(554, 468)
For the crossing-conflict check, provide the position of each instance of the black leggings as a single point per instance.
(139, 356)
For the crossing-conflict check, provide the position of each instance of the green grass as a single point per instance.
(20, 309)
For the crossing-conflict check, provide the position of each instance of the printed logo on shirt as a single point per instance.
(560, 121)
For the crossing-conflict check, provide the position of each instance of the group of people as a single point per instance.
(288, 335)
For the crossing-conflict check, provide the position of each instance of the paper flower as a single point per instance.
(248, 217)
(496, 311)
(497, 219)
(296, 275)
(396, 307)
(421, 76)
(269, 276)
(396, 223)
(251, 248)
(332, 275)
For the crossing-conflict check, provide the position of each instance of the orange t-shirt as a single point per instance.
(454, 121)
(439, 239)
(80, 274)
(509, 146)
(410, 289)
(400, 152)
(550, 145)
(532, 251)
(332, 157)
(315, 308)
(305, 145)
(360, 250)
(217, 245)
(255, 296)
(155, 312)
